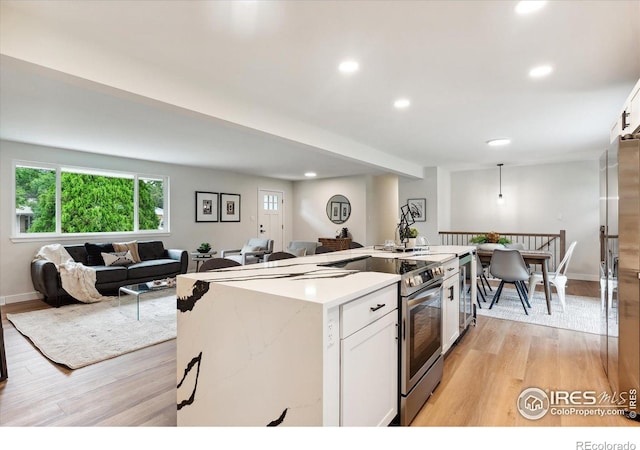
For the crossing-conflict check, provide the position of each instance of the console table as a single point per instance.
(200, 257)
(335, 244)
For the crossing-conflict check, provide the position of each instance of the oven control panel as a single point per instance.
(423, 277)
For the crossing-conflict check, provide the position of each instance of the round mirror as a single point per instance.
(338, 209)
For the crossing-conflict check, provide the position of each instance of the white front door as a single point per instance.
(270, 217)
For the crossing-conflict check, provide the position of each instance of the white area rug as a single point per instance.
(582, 313)
(83, 334)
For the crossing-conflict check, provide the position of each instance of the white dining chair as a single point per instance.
(558, 279)
(611, 282)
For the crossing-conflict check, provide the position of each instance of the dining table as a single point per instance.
(540, 257)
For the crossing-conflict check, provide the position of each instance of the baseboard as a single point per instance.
(571, 276)
(583, 277)
(17, 298)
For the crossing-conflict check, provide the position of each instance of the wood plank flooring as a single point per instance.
(484, 374)
(135, 389)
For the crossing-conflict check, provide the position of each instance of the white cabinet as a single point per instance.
(450, 304)
(634, 109)
(369, 359)
(631, 112)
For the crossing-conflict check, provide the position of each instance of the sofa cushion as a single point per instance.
(110, 274)
(262, 244)
(308, 245)
(151, 250)
(78, 253)
(153, 268)
(297, 251)
(94, 253)
(117, 258)
(128, 246)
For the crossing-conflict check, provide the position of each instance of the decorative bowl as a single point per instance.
(490, 246)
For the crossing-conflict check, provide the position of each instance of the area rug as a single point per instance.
(582, 313)
(82, 334)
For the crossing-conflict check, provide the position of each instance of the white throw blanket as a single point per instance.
(77, 279)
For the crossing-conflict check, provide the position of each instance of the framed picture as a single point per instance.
(345, 211)
(206, 206)
(229, 207)
(335, 210)
(418, 208)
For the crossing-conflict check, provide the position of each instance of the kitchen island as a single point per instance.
(291, 342)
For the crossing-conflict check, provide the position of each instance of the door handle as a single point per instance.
(377, 307)
(451, 293)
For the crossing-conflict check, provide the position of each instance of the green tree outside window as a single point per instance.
(89, 203)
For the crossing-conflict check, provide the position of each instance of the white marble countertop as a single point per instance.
(456, 250)
(304, 279)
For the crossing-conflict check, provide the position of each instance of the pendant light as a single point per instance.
(500, 197)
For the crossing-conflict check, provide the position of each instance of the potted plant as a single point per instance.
(204, 247)
(490, 240)
(412, 234)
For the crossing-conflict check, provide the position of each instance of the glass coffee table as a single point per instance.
(139, 289)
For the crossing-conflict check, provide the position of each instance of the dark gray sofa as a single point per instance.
(156, 263)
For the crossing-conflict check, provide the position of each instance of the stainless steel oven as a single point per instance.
(421, 362)
(420, 317)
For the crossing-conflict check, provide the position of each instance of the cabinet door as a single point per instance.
(634, 110)
(369, 374)
(616, 130)
(450, 311)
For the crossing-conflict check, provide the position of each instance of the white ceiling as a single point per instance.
(254, 87)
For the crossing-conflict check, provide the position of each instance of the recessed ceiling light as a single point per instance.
(348, 66)
(310, 174)
(402, 103)
(526, 7)
(540, 71)
(498, 142)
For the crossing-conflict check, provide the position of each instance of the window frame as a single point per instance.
(17, 236)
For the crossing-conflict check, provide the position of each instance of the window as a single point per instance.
(63, 200)
(270, 202)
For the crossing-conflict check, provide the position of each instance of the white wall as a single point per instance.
(15, 257)
(310, 197)
(538, 199)
(444, 199)
(374, 208)
(426, 188)
(382, 208)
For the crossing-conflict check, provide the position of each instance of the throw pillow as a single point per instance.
(94, 253)
(128, 246)
(297, 251)
(118, 258)
(249, 248)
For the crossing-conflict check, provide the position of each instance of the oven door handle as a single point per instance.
(424, 296)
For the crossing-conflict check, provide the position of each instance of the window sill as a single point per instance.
(104, 237)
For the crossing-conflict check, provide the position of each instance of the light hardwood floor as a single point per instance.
(484, 374)
(136, 389)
